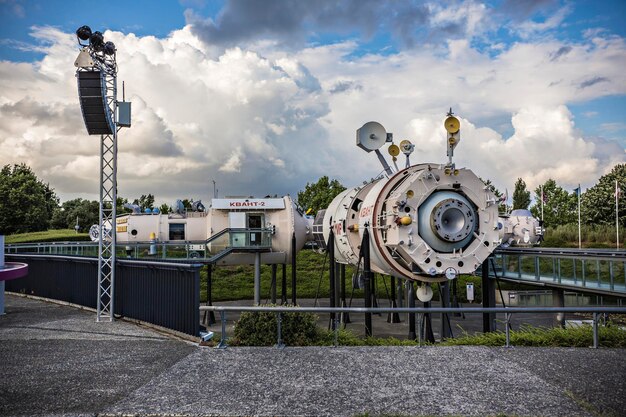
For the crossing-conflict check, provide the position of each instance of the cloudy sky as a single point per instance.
(264, 96)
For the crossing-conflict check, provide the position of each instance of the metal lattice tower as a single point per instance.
(97, 83)
(108, 212)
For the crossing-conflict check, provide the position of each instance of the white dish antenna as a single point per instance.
(372, 136)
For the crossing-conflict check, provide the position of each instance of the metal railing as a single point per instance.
(206, 251)
(507, 311)
(162, 293)
(595, 270)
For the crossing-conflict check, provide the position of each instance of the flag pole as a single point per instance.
(541, 202)
(617, 192)
(579, 236)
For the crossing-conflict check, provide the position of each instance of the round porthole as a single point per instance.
(133, 232)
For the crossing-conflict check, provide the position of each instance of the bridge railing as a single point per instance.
(507, 311)
(231, 240)
(601, 271)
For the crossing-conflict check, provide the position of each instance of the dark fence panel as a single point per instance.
(164, 294)
(65, 279)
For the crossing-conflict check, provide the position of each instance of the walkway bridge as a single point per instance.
(210, 251)
(598, 271)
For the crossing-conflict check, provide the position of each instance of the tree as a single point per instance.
(318, 196)
(499, 196)
(559, 206)
(165, 208)
(86, 212)
(145, 201)
(521, 197)
(597, 204)
(26, 203)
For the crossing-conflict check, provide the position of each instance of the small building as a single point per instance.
(230, 232)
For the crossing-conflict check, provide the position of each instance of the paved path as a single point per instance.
(55, 360)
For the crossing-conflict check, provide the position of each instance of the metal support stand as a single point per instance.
(507, 329)
(222, 344)
(279, 331)
(273, 284)
(373, 292)
(455, 300)
(444, 293)
(108, 198)
(365, 248)
(428, 325)
(489, 298)
(411, 304)
(595, 331)
(331, 273)
(558, 300)
(257, 278)
(210, 315)
(393, 317)
(293, 270)
(345, 317)
(283, 286)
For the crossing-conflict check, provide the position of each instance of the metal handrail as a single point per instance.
(79, 247)
(507, 311)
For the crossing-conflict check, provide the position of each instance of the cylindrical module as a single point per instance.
(427, 222)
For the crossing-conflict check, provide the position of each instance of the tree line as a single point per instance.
(560, 206)
(28, 204)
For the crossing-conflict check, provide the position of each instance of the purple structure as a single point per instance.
(9, 270)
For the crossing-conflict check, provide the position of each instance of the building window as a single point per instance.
(177, 231)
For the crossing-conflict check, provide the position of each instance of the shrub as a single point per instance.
(260, 329)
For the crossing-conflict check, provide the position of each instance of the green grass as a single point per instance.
(237, 282)
(610, 336)
(592, 236)
(61, 235)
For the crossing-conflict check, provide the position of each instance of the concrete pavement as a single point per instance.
(56, 360)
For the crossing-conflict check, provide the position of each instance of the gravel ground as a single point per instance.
(56, 360)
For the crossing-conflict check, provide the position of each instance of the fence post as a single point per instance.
(595, 330)
(223, 344)
(279, 331)
(507, 329)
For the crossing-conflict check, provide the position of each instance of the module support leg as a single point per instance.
(365, 247)
(209, 316)
(558, 300)
(294, 300)
(345, 317)
(411, 304)
(393, 317)
(331, 275)
(489, 298)
(283, 288)
(428, 325)
(257, 279)
(445, 318)
(273, 284)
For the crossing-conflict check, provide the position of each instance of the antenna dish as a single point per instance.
(393, 150)
(406, 146)
(424, 293)
(371, 136)
(452, 124)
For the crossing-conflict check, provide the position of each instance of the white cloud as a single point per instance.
(268, 122)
